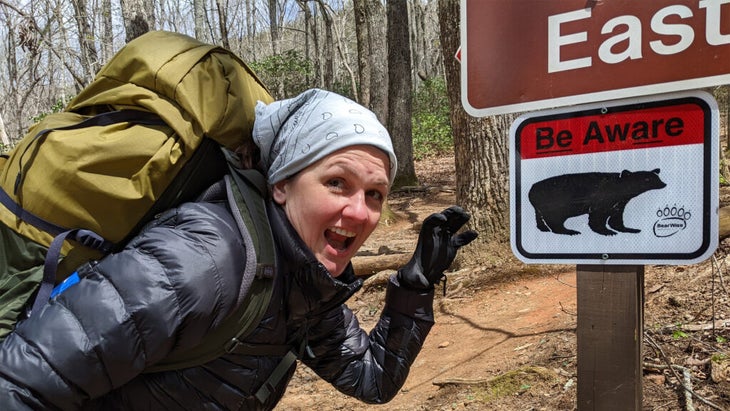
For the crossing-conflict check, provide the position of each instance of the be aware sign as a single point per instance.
(522, 55)
(625, 182)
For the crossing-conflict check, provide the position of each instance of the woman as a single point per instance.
(329, 163)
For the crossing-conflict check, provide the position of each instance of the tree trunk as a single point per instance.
(11, 59)
(342, 52)
(107, 35)
(3, 135)
(251, 28)
(223, 23)
(89, 57)
(307, 30)
(275, 34)
(199, 19)
(400, 92)
(274, 28)
(418, 33)
(481, 152)
(378, 46)
(362, 34)
(138, 18)
(328, 72)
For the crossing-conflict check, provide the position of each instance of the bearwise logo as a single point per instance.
(671, 220)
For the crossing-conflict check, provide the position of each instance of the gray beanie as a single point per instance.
(295, 133)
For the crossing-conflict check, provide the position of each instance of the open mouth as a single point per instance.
(339, 238)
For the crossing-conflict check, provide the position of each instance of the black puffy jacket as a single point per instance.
(88, 348)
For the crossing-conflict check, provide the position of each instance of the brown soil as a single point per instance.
(505, 332)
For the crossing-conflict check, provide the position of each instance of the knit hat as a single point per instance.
(295, 133)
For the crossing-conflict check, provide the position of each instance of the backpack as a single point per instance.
(150, 132)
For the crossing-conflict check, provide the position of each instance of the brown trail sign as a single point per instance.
(521, 55)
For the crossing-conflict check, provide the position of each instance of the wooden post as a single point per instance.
(610, 334)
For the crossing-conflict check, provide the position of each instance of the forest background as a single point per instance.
(395, 57)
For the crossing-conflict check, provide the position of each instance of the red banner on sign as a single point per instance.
(613, 131)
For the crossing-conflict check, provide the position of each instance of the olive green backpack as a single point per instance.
(147, 134)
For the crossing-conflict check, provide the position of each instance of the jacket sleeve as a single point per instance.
(175, 281)
(371, 367)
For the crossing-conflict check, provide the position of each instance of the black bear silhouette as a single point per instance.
(603, 196)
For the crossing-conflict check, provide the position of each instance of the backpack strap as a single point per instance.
(86, 238)
(103, 119)
(281, 370)
(269, 386)
(251, 188)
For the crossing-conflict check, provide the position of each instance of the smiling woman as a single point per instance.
(329, 165)
(335, 204)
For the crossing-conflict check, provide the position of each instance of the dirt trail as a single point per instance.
(497, 329)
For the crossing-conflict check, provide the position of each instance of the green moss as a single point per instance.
(514, 382)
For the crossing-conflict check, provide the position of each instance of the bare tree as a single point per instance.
(107, 34)
(274, 30)
(310, 31)
(480, 144)
(400, 92)
(32, 60)
(138, 16)
(275, 33)
(251, 25)
(3, 135)
(199, 19)
(11, 43)
(328, 68)
(342, 50)
(87, 46)
(362, 34)
(61, 44)
(222, 8)
(378, 45)
(419, 36)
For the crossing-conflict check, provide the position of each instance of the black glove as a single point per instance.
(436, 249)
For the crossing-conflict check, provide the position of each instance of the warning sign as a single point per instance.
(625, 182)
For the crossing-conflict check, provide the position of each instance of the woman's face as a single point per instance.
(335, 204)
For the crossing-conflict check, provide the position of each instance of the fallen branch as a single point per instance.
(365, 266)
(685, 381)
(460, 381)
(698, 327)
(724, 222)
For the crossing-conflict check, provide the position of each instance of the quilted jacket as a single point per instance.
(179, 278)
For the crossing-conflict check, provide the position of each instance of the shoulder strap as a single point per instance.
(251, 190)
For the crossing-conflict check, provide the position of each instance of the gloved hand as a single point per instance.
(436, 248)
